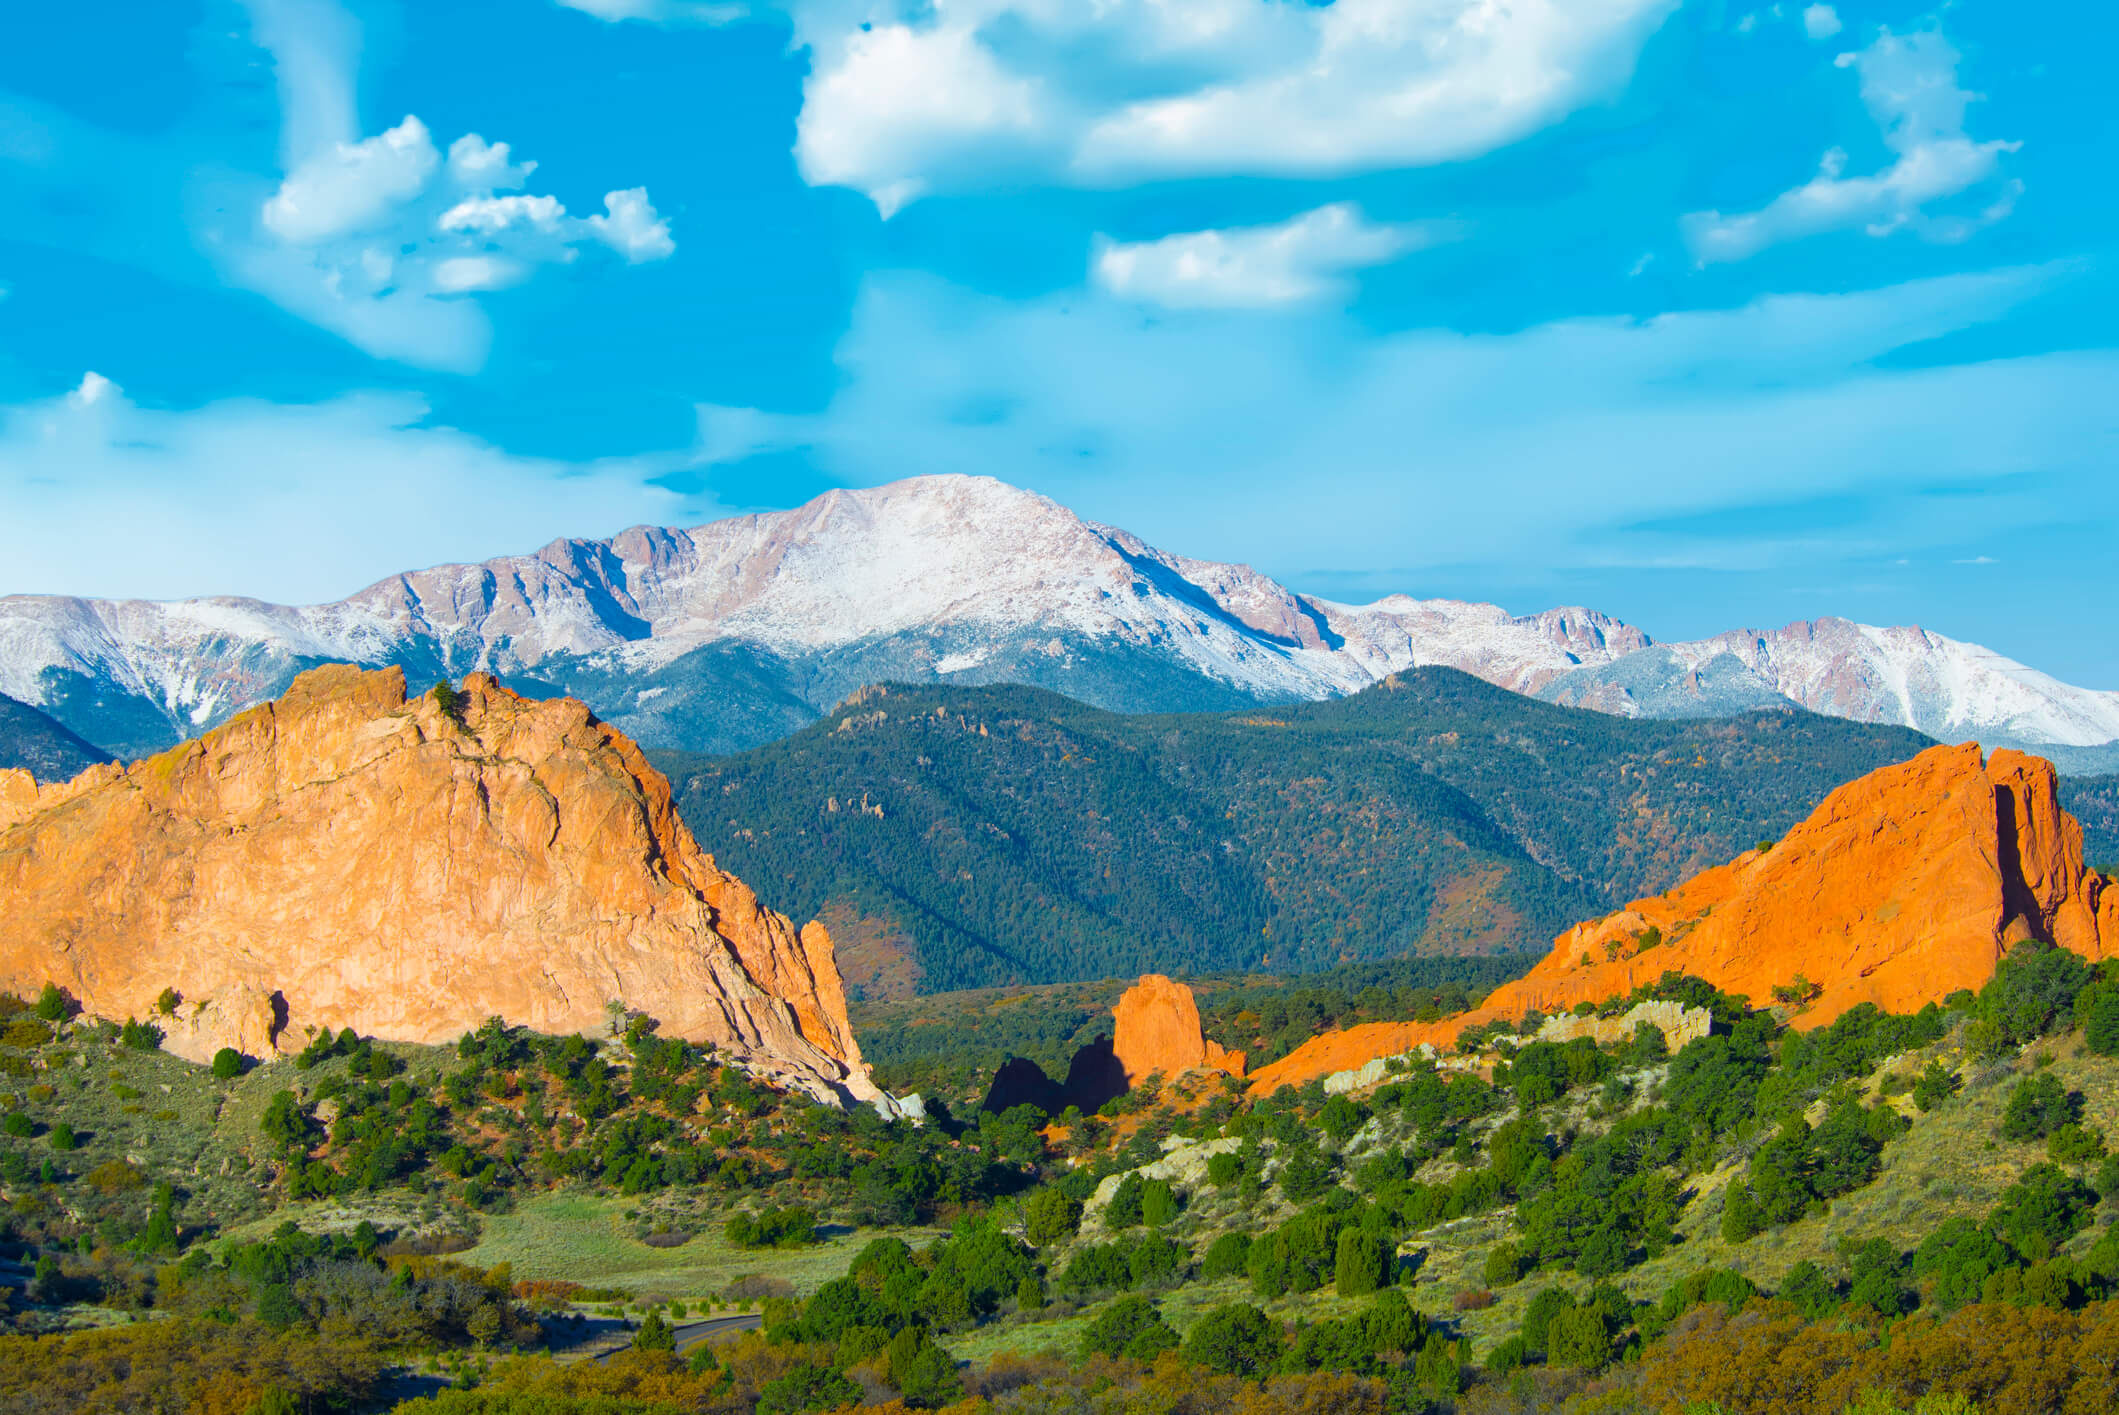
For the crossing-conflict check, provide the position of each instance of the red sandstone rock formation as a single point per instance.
(1901, 888)
(1156, 1029)
(345, 858)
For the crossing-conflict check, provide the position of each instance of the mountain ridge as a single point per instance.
(34, 742)
(964, 837)
(726, 635)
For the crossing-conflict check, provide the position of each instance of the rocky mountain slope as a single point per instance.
(32, 742)
(1947, 689)
(967, 837)
(735, 633)
(343, 857)
(1900, 889)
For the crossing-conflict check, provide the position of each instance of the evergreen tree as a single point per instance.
(1124, 1210)
(160, 1235)
(2037, 1107)
(1935, 1084)
(1158, 1202)
(1578, 1337)
(1235, 1339)
(2097, 1010)
(654, 1335)
(1362, 1265)
(1050, 1216)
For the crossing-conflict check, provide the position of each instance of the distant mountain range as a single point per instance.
(739, 632)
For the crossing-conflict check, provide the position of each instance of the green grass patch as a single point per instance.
(577, 1237)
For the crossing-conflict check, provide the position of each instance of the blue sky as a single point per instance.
(1702, 314)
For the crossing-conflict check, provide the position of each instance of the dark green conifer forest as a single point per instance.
(974, 837)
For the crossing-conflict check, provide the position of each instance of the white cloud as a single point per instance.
(661, 12)
(1821, 22)
(353, 187)
(464, 274)
(632, 227)
(903, 100)
(898, 91)
(93, 389)
(474, 162)
(1909, 84)
(356, 291)
(491, 215)
(382, 239)
(1251, 267)
(291, 502)
(314, 46)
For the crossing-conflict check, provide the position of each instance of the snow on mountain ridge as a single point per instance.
(1946, 687)
(981, 573)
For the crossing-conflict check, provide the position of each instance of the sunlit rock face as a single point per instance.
(342, 857)
(1902, 887)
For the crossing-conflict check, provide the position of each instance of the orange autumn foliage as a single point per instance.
(1170, 1386)
(176, 1367)
(1767, 1360)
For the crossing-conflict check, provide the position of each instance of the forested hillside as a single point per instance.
(959, 838)
(35, 743)
(2094, 800)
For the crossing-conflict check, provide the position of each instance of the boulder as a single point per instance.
(1678, 1023)
(1183, 1164)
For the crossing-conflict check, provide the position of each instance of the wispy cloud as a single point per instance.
(1430, 447)
(1909, 83)
(1821, 22)
(661, 12)
(296, 502)
(1254, 267)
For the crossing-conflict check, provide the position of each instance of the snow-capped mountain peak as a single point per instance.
(727, 633)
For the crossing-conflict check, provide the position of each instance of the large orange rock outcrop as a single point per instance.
(345, 858)
(1902, 887)
(1155, 1028)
